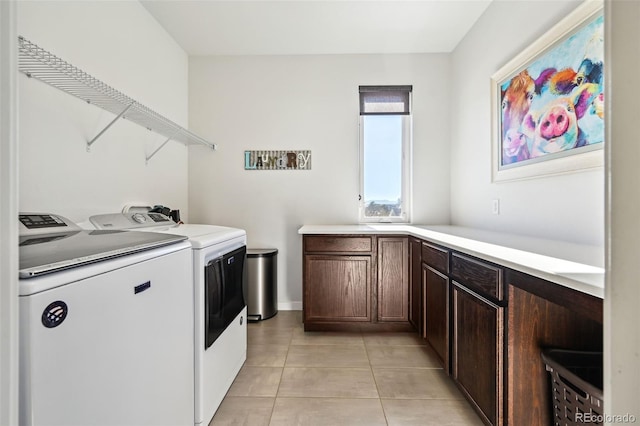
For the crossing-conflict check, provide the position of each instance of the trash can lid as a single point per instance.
(260, 252)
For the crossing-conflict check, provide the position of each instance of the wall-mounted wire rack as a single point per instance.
(38, 63)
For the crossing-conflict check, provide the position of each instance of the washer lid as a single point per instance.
(202, 236)
(42, 254)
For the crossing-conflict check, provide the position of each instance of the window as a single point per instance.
(385, 153)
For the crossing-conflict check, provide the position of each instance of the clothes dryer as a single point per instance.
(220, 313)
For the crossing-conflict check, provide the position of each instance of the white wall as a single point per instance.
(122, 45)
(622, 292)
(567, 207)
(9, 356)
(305, 102)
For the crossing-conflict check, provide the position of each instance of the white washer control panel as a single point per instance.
(44, 223)
(130, 220)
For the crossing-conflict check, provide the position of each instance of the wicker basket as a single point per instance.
(576, 386)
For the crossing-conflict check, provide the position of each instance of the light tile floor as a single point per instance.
(339, 379)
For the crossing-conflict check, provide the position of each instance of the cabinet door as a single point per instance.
(415, 284)
(337, 288)
(393, 280)
(478, 352)
(436, 312)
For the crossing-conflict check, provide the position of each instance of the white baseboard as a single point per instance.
(289, 306)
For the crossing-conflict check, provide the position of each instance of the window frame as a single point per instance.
(406, 183)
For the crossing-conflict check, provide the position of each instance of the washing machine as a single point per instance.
(106, 326)
(220, 312)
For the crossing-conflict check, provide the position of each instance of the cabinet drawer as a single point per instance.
(436, 257)
(477, 275)
(335, 244)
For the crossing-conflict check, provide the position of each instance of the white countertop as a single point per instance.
(576, 266)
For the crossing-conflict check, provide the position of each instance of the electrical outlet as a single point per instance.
(495, 206)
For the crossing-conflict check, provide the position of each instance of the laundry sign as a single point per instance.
(277, 160)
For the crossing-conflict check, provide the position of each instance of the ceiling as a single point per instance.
(303, 27)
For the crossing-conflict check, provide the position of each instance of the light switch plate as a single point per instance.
(495, 206)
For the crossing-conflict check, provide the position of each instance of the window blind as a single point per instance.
(380, 100)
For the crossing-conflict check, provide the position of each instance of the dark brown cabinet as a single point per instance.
(436, 312)
(337, 288)
(338, 244)
(337, 277)
(481, 277)
(435, 293)
(393, 279)
(436, 257)
(543, 315)
(487, 323)
(478, 352)
(478, 334)
(415, 284)
(355, 281)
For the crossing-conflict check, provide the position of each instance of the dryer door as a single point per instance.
(224, 297)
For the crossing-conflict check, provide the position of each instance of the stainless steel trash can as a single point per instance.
(262, 283)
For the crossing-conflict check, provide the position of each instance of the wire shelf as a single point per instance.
(38, 63)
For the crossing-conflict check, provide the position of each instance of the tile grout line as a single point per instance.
(384, 414)
(284, 364)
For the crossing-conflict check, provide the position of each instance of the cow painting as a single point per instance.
(515, 147)
(555, 127)
(588, 72)
(556, 103)
(517, 98)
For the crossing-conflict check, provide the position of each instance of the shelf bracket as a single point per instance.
(161, 146)
(91, 142)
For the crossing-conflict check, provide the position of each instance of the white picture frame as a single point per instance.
(539, 163)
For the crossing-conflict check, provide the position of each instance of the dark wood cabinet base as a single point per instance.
(536, 323)
(486, 322)
(355, 282)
